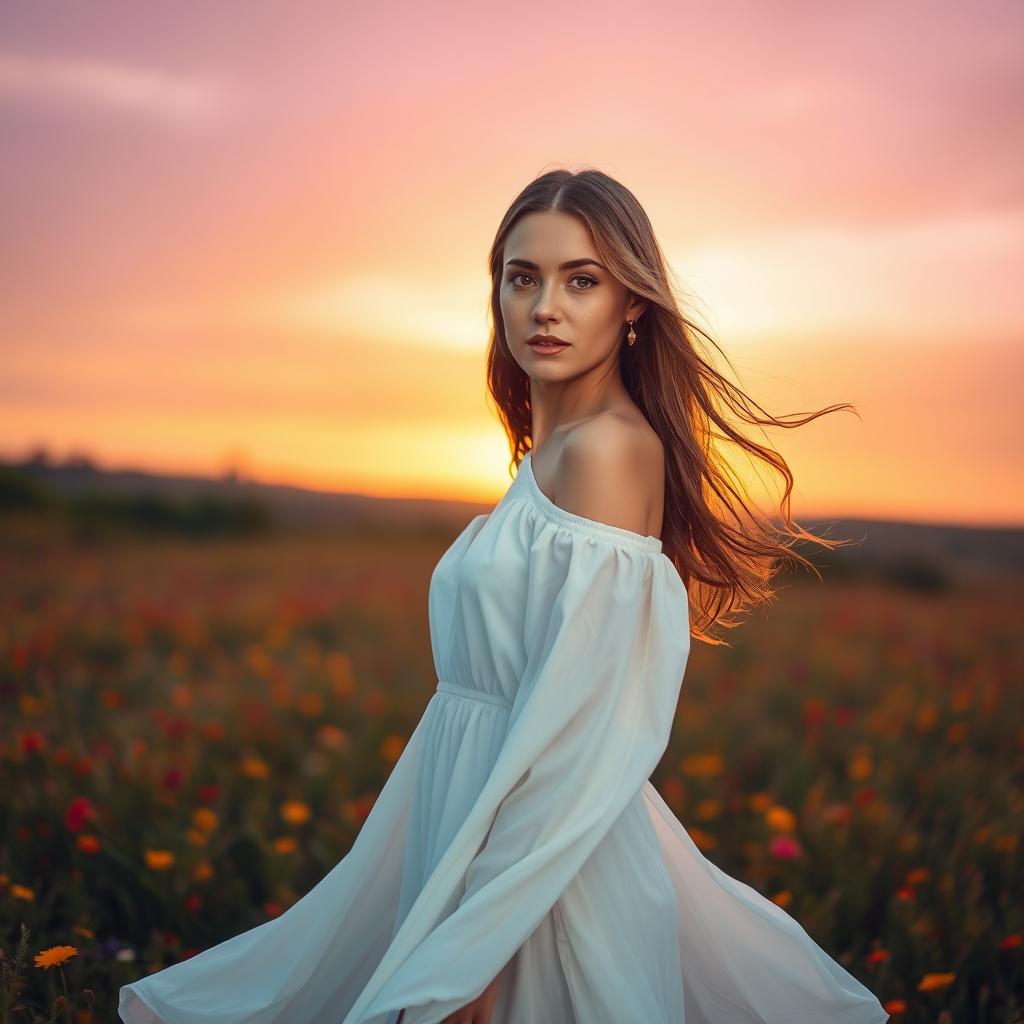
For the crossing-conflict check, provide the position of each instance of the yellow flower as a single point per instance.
(295, 812)
(159, 860)
(205, 819)
(930, 982)
(55, 956)
(780, 819)
(22, 892)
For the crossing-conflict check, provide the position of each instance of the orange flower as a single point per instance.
(783, 898)
(703, 840)
(22, 892)
(780, 818)
(927, 716)
(310, 704)
(708, 809)
(917, 875)
(331, 737)
(254, 768)
(158, 860)
(339, 669)
(285, 844)
(202, 871)
(30, 704)
(931, 982)
(87, 843)
(391, 747)
(205, 819)
(860, 766)
(956, 733)
(55, 956)
(701, 764)
(295, 812)
(877, 956)
(760, 802)
(895, 1006)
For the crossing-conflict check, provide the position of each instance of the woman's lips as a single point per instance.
(547, 347)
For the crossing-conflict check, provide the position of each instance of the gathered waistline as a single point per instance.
(443, 686)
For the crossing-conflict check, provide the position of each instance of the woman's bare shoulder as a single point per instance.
(612, 469)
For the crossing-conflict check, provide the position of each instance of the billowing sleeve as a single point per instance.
(607, 640)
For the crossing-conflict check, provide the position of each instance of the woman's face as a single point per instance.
(583, 304)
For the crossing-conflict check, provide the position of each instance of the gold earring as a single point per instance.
(631, 337)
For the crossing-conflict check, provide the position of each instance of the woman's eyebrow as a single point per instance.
(568, 265)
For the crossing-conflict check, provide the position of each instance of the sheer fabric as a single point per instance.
(519, 832)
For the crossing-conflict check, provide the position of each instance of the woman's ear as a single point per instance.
(637, 307)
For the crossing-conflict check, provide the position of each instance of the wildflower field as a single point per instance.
(194, 732)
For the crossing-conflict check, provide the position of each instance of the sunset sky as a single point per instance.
(255, 235)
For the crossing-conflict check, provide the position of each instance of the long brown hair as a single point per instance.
(727, 566)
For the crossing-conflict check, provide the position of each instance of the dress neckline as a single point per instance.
(581, 524)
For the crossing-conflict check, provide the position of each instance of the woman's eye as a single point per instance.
(578, 277)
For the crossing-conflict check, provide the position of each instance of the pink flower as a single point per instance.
(785, 848)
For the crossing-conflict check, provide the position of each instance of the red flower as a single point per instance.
(78, 812)
(864, 796)
(843, 715)
(31, 742)
(208, 793)
(172, 778)
(837, 814)
(814, 712)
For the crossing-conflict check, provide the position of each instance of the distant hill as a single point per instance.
(291, 508)
(915, 554)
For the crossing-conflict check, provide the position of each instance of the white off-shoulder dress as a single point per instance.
(519, 832)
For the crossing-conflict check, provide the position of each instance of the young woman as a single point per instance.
(518, 866)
